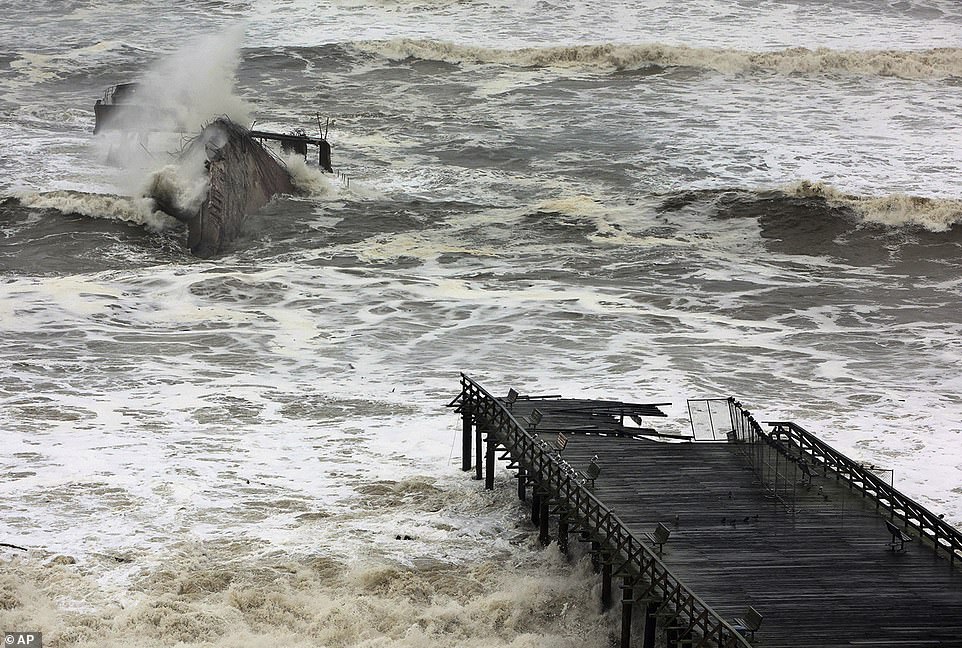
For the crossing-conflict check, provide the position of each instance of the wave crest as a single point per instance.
(914, 64)
(140, 211)
(892, 210)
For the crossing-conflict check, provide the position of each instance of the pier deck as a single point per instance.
(814, 560)
(824, 576)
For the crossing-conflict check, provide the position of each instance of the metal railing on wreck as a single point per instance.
(798, 446)
(633, 560)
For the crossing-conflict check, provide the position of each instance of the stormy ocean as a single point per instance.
(649, 200)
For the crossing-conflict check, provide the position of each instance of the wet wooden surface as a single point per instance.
(823, 576)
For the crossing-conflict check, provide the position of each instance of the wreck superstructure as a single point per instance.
(110, 111)
(241, 174)
(122, 108)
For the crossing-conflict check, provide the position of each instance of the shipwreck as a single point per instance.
(241, 173)
(242, 176)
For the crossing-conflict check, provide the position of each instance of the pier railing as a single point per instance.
(646, 576)
(799, 445)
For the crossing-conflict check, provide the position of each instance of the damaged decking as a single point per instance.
(812, 558)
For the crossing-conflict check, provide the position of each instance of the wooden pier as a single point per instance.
(765, 537)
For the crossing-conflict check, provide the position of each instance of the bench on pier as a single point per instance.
(534, 419)
(659, 537)
(592, 471)
(749, 622)
(560, 442)
(899, 537)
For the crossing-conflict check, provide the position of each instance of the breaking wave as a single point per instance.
(919, 64)
(139, 211)
(224, 594)
(892, 210)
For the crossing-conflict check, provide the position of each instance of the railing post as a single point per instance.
(731, 418)
(711, 423)
(671, 638)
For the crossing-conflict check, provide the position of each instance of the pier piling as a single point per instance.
(627, 602)
(544, 536)
(605, 583)
(466, 437)
(490, 449)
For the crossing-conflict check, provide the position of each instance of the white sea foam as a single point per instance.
(40, 67)
(185, 529)
(709, 23)
(221, 594)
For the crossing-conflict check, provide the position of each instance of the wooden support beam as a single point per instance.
(478, 452)
(605, 585)
(627, 601)
(543, 519)
(489, 461)
(535, 506)
(466, 436)
(522, 492)
(651, 620)
(563, 533)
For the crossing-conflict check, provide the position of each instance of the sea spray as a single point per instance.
(180, 188)
(180, 94)
(196, 83)
(309, 179)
